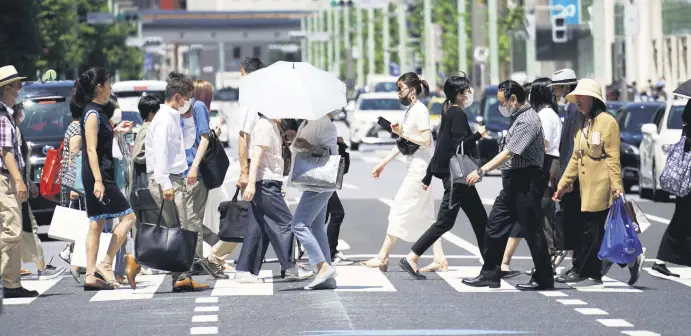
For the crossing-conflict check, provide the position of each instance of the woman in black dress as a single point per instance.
(103, 197)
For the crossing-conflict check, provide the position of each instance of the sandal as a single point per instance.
(97, 285)
(436, 266)
(382, 265)
(104, 271)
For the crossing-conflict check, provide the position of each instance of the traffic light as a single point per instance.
(129, 16)
(341, 3)
(559, 28)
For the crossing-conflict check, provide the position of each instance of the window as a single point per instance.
(236, 52)
(674, 120)
(637, 117)
(381, 104)
(257, 52)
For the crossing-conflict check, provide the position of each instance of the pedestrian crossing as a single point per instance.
(350, 279)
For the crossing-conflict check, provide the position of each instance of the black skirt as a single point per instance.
(675, 246)
(113, 205)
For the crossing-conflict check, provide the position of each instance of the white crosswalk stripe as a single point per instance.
(41, 286)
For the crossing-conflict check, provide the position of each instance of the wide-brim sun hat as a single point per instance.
(586, 87)
(8, 74)
(564, 77)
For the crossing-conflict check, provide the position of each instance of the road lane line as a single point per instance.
(553, 293)
(362, 279)
(572, 302)
(204, 318)
(426, 256)
(591, 311)
(206, 300)
(614, 323)
(350, 186)
(640, 333)
(205, 309)
(231, 288)
(203, 330)
(146, 289)
(456, 274)
(41, 286)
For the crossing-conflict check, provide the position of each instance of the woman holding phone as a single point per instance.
(412, 211)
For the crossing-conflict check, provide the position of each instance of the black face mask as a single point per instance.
(109, 109)
(405, 101)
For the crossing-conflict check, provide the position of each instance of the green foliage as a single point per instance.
(19, 36)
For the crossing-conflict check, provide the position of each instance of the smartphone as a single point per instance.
(385, 124)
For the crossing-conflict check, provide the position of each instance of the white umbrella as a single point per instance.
(295, 90)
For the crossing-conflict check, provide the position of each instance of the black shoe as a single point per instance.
(20, 292)
(571, 277)
(415, 273)
(662, 269)
(509, 274)
(197, 268)
(534, 285)
(635, 269)
(214, 270)
(481, 281)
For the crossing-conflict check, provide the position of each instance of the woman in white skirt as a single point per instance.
(412, 212)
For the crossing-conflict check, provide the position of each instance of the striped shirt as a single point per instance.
(9, 136)
(525, 140)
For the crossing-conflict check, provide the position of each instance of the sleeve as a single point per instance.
(421, 117)
(189, 132)
(249, 121)
(261, 134)
(459, 127)
(571, 172)
(201, 119)
(5, 133)
(160, 153)
(329, 136)
(138, 153)
(612, 143)
(547, 124)
(427, 180)
(523, 134)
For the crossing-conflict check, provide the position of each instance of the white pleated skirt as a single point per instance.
(412, 212)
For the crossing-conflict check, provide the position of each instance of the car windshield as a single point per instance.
(492, 114)
(128, 94)
(213, 113)
(612, 108)
(674, 120)
(227, 94)
(636, 117)
(385, 87)
(436, 108)
(45, 119)
(134, 117)
(380, 104)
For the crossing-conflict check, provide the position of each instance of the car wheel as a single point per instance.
(354, 146)
(658, 195)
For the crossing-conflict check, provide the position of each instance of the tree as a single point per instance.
(19, 36)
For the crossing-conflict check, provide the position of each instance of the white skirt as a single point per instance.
(412, 212)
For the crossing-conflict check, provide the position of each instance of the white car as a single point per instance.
(657, 137)
(139, 88)
(218, 118)
(363, 120)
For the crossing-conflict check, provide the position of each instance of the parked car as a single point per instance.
(630, 119)
(46, 117)
(615, 106)
(663, 131)
(363, 120)
(139, 88)
(217, 118)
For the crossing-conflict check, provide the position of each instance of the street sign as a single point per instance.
(481, 54)
(571, 10)
(630, 20)
(99, 18)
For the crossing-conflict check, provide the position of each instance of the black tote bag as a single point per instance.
(234, 219)
(214, 164)
(165, 248)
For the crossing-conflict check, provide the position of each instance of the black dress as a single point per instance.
(114, 204)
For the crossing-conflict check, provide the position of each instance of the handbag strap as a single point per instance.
(460, 145)
(160, 212)
(237, 192)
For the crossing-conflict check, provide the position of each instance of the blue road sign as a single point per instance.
(571, 8)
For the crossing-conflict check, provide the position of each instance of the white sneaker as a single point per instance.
(66, 254)
(341, 260)
(247, 277)
(298, 273)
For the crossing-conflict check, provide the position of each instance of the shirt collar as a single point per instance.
(520, 111)
(10, 110)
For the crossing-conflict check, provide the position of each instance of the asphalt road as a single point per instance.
(367, 301)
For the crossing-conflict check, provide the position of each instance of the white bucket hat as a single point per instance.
(8, 74)
(564, 77)
(586, 87)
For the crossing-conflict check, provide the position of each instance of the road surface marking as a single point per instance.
(231, 288)
(426, 256)
(658, 219)
(611, 286)
(572, 302)
(349, 186)
(146, 288)
(591, 311)
(205, 309)
(614, 323)
(41, 286)
(456, 274)
(553, 293)
(204, 318)
(206, 300)
(684, 275)
(386, 201)
(203, 330)
(362, 279)
(640, 333)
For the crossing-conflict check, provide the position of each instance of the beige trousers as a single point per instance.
(32, 250)
(11, 235)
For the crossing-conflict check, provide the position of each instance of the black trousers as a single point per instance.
(463, 197)
(589, 265)
(519, 201)
(675, 246)
(334, 216)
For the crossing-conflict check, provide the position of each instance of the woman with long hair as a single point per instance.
(412, 212)
(104, 200)
(454, 132)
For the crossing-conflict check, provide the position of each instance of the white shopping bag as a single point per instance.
(67, 224)
(79, 253)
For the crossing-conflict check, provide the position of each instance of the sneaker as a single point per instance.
(321, 279)
(50, 272)
(635, 269)
(66, 254)
(341, 260)
(297, 273)
(588, 284)
(247, 278)
(570, 277)
(661, 271)
(214, 270)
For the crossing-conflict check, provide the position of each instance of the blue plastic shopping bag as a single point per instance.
(620, 244)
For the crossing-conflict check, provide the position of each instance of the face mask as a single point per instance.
(504, 111)
(469, 100)
(186, 107)
(20, 97)
(562, 100)
(117, 116)
(405, 101)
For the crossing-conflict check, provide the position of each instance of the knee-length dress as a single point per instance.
(114, 204)
(412, 212)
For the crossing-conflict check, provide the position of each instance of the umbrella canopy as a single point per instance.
(684, 89)
(294, 90)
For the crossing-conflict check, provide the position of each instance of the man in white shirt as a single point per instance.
(166, 163)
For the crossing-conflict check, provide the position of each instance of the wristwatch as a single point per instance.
(480, 172)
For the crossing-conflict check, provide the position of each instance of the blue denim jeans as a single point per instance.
(308, 226)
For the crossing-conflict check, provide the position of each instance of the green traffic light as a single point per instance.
(334, 3)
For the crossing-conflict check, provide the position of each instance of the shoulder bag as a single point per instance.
(234, 219)
(214, 164)
(316, 173)
(676, 176)
(460, 165)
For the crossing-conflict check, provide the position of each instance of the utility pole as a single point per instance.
(370, 41)
(360, 81)
(386, 38)
(304, 53)
(347, 46)
(310, 44)
(402, 38)
(330, 43)
(462, 50)
(322, 45)
(530, 50)
(493, 43)
(429, 71)
(337, 38)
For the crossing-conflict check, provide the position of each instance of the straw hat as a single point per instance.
(8, 74)
(586, 87)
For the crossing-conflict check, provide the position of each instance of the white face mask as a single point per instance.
(117, 116)
(562, 100)
(469, 98)
(504, 111)
(186, 107)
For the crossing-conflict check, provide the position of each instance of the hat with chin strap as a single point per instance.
(8, 74)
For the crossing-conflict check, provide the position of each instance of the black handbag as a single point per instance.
(406, 147)
(214, 164)
(165, 248)
(460, 165)
(234, 219)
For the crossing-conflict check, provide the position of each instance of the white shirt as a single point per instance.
(165, 153)
(416, 121)
(551, 126)
(321, 132)
(249, 120)
(189, 132)
(266, 134)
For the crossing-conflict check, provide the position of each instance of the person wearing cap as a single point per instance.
(13, 191)
(595, 161)
(564, 82)
(520, 160)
